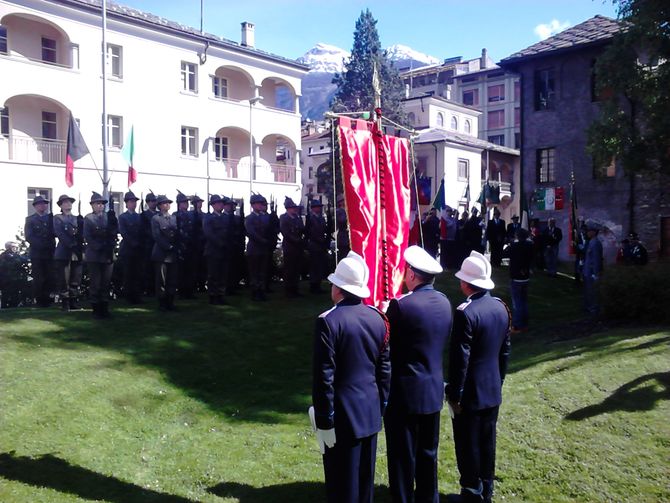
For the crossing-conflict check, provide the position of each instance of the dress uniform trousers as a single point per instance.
(100, 274)
(41, 270)
(349, 467)
(258, 271)
(411, 443)
(69, 277)
(475, 445)
(217, 274)
(318, 264)
(132, 275)
(166, 274)
(292, 263)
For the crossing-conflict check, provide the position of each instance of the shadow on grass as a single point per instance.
(639, 394)
(50, 472)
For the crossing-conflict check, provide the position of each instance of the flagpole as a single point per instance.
(105, 168)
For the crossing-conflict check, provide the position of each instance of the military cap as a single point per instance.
(130, 196)
(515, 217)
(227, 201)
(162, 199)
(197, 199)
(151, 197)
(40, 199)
(314, 203)
(215, 198)
(97, 198)
(419, 259)
(64, 197)
(288, 203)
(633, 235)
(257, 198)
(181, 197)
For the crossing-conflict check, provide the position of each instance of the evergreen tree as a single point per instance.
(354, 86)
(633, 81)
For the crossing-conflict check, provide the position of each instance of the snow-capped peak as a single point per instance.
(399, 52)
(325, 58)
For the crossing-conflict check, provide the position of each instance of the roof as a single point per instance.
(140, 17)
(597, 30)
(435, 135)
(316, 136)
(452, 103)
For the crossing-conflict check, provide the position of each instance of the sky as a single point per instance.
(440, 28)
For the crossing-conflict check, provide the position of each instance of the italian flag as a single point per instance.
(549, 198)
(128, 152)
(440, 204)
(76, 149)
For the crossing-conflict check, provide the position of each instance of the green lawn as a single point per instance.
(209, 404)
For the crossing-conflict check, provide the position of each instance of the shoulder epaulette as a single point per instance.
(403, 295)
(509, 313)
(463, 305)
(326, 313)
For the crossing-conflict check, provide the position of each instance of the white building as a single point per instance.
(201, 106)
(316, 142)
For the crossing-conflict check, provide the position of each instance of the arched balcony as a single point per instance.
(279, 95)
(36, 129)
(232, 83)
(277, 162)
(37, 39)
(229, 153)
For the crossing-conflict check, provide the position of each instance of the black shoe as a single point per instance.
(104, 308)
(65, 305)
(169, 303)
(97, 311)
(74, 305)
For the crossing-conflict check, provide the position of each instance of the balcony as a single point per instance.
(32, 150)
(238, 169)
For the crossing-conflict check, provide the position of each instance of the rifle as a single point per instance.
(80, 227)
(142, 202)
(308, 224)
(112, 224)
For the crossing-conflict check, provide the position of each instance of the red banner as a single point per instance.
(375, 174)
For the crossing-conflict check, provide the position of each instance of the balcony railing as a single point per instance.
(28, 149)
(238, 169)
(505, 187)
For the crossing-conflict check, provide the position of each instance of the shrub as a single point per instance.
(637, 293)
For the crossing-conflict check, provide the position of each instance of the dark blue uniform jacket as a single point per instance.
(352, 369)
(420, 327)
(478, 352)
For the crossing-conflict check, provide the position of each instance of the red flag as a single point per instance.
(76, 149)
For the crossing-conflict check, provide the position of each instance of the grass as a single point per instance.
(209, 404)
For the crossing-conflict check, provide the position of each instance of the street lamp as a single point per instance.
(252, 160)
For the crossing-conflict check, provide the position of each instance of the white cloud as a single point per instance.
(546, 30)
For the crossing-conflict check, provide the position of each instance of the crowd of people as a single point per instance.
(165, 254)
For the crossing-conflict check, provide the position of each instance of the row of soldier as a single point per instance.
(163, 253)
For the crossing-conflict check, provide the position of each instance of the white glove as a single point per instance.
(327, 437)
(319, 440)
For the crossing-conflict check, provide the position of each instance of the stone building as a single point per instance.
(558, 103)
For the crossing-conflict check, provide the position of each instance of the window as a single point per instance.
(309, 151)
(471, 97)
(545, 165)
(608, 171)
(33, 192)
(440, 119)
(220, 87)
(498, 139)
(311, 172)
(118, 202)
(220, 148)
(4, 121)
(468, 127)
(411, 117)
(517, 116)
(496, 93)
(3, 40)
(545, 90)
(496, 119)
(48, 50)
(115, 60)
(517, 140)
(463, 169)
(454, 123)
(49, 125)
(189, 141)
(517, 91)
(188, 77)
(114, 131)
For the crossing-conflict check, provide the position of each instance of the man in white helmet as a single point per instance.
(351, 380)
(478, 353)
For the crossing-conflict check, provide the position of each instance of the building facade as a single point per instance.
(558, 104)
(209, 115)
(316, 141)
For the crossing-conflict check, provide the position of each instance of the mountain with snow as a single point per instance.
(326, 60)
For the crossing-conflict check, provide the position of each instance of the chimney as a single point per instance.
(483, 63)
(248, 34)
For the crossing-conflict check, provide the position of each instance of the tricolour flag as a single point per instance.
(549, 198)
(440, 204)
(76, 149)
(128, 153)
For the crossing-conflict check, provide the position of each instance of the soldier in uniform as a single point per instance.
(512, 227)
(165, 254)
(131, 251)
(217, 246)
(318, 242)
(551, 238)
(148, 243)
(238, 264)
(187, 248)
(39, 234)
(420, 326)
(257, 228)
(293, 234)
(478, 353)
(100, 232)
(343, 243)
(593, 267)
(638, 253)
(495, 235)
(199, 264)
(351, 379)
(68, 254)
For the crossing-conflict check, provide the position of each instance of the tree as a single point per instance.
(632, 81)
(354, 86)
